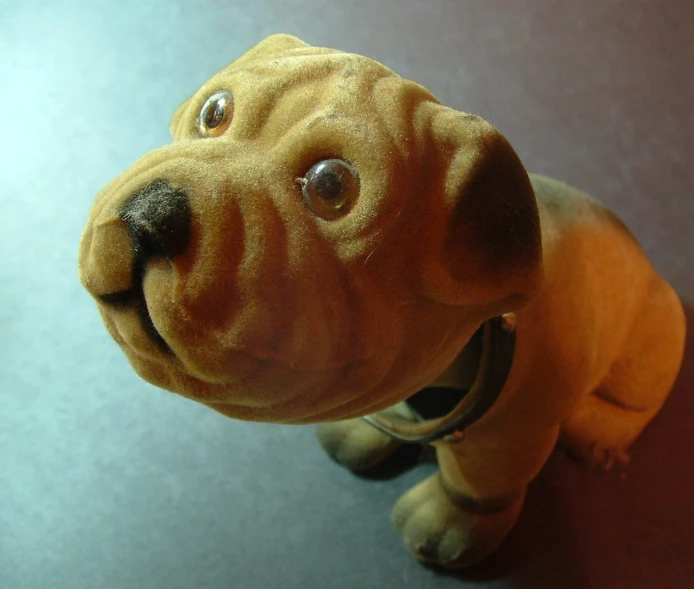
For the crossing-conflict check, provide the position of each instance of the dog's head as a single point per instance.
(319, 241)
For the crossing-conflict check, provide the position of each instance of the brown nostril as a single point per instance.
(158, 218)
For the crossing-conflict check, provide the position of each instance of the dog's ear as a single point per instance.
(270, 46)
(486, 245)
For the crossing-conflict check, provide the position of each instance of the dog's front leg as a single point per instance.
(357, 444)
(462, 513)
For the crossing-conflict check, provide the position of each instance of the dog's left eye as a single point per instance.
(330, 188)
(216, 114)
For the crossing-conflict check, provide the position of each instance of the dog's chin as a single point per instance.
(242, 382)
(254, 390)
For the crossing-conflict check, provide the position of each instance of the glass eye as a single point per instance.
(330, 188)
(216, 114)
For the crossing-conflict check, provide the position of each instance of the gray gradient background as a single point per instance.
(106, 482)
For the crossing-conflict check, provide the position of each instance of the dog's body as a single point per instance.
(328, 251)
(598, 351)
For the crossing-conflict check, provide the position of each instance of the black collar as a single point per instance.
(498, 346)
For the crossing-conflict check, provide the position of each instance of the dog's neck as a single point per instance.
(461, 373)
(445, 408)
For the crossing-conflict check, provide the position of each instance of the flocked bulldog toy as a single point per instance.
(325, 243)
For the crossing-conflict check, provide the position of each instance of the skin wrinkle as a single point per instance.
(336, 407)
(267, 256)
(259, 114)
(301, 289)
(197, 257)
(409, 101)
(262, 264)
(225, 338)
(349, 396)
(287, 406)
(355, 406)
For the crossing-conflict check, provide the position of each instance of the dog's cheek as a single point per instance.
(202, 351)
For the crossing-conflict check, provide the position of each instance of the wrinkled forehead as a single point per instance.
(302, 85)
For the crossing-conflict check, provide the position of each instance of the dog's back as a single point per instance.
(635, 316)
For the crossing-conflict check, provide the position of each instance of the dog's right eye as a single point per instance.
(216, 114)
(330, 188)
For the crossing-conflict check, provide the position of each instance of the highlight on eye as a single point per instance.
(330, 188)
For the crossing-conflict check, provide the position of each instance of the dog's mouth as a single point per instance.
(158, 221)
(134, 298)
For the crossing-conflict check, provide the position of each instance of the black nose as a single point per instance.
(158, 219)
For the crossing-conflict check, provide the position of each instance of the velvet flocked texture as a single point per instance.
(272, 313)
(221, 282)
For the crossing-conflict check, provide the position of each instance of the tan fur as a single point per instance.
(274, 314)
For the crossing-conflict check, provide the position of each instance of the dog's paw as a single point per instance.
(604, 458)
(355, 444)
(437, 531)
(595, 455)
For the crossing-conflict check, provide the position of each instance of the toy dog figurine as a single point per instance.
(324, 241)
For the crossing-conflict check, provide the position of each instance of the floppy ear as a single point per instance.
(487, 244)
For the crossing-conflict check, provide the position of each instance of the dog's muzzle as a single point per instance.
(158, 221)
